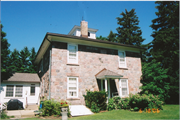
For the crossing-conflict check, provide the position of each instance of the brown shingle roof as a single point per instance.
(23, 77)
(107, 74)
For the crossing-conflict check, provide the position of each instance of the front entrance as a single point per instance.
(111, 87)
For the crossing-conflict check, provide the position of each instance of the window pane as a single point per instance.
(72, 88)
(19, 91)
(72, 94)
(124, 83)
(32, 89)
(9, 90)
(124, 91)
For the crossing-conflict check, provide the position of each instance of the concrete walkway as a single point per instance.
(21, 113)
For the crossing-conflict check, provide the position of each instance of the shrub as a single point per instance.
(4, 115)
(96, 100)
(136, 108)
(145, 101)
(111, 104)
(94, 107)
(51, 107)
(125, 103)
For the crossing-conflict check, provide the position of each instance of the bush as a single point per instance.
(4, 115)
(96, 100)
(94, 107)
(145, 101)
(111, 104)
(51, 107)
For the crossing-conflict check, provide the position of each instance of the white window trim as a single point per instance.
(14, 92)
(120, 88)
(76, 62)
(68, 88)
(32, 85)
(124, 59)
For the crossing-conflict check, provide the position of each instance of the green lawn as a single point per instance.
(169, 112)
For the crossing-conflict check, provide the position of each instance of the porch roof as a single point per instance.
(107, 74)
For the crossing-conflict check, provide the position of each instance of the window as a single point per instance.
(9, 90)
(72, 53)
(72, 90)
(32, 89)
(88, 34)
(14, 91)
(122, 59)
(123, 85)
(19, 91)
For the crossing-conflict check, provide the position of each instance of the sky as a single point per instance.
(27, 22)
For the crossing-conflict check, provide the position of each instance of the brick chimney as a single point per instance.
(84, 29)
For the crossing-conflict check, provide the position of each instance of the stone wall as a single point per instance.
(90, 62)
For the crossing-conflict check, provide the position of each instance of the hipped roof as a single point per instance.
(23, 77)
(107, 74)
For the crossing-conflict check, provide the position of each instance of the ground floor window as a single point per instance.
(12, 90)
(72, 87)
(123, 86)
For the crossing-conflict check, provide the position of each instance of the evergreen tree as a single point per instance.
(111, 37)
(4, 55)
(154, 80)
(15, 64)
(165, 45)
(32, 67)
(128, 31)
(101, 38)
(24, 60)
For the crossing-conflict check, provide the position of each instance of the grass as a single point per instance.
(168, 112)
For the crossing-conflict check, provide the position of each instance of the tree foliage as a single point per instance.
(154, 79)
(165, 45)
(128, 31)
(15, 61)
(5, 51)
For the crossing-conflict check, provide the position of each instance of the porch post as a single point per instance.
(106, 88)
(101, 84)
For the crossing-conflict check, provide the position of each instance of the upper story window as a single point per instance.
(88, 34)
(122, 59)
(72, 53)
(72, 87)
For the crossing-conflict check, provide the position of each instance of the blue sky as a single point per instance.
(26, 23)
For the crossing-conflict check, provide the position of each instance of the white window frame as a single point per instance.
(121, 87)
(14, 92)
(33, 85)
(70, 61)
(69, 90)
(124, 59)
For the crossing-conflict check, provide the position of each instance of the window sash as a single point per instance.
(122, 58)
(72, 53)
(72, 87)
(124, 87)
(33, 90)
(9, 90)
(19, 91)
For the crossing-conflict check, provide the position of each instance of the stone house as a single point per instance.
(71, 64)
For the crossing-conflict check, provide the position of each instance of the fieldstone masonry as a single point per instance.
(90, 61)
